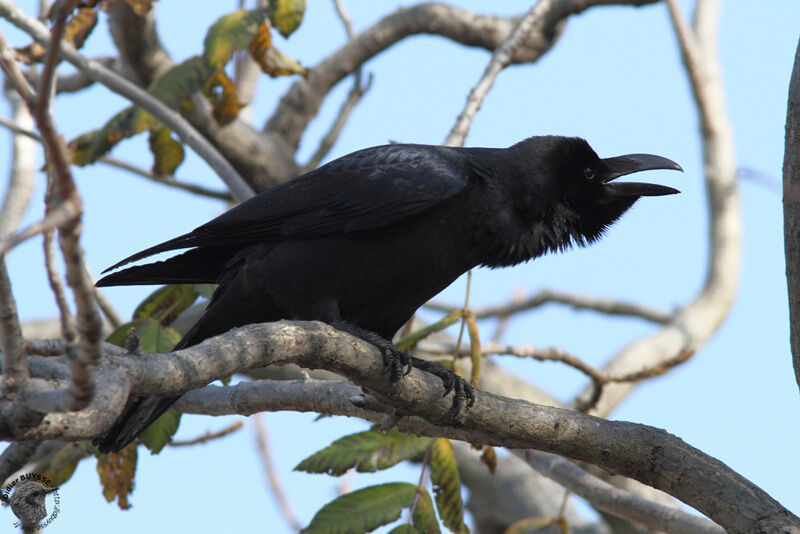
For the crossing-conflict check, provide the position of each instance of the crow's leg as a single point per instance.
(463, 393)
(397, 362)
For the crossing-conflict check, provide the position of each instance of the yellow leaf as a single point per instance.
(76, 30)
(261, 42)
(167, 152)
(286, 15)
(116, 471)
(489, 458)
(230, 33)
(79, 26)
(222, 93)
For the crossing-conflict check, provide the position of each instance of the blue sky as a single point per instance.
(615, 78)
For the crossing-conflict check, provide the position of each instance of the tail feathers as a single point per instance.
(183, 241)
(137, 416)
(196, 266)
(141, 413)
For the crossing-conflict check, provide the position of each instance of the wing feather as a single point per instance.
(364, 190)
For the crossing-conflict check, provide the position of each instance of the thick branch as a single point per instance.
(651, 456)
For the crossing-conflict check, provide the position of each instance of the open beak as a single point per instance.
(622, 165)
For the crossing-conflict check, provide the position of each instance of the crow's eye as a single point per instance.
(588, 173)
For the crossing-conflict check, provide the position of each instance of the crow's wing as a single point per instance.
(364, 190)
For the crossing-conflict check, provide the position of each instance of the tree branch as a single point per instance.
(68, 329)
(501, 58)
(22, 176)
(791, 209)
(170, 181)
(651, 456)
(262, 440)
(697, 321)
(575, 301)
(98, 72)
(303, 100)
(15, 370)
(613, 500)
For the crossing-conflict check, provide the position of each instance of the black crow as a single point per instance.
(363, 241)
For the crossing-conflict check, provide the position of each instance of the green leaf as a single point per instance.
(286, 15)
(160, 432)
(368, 452)
(231, 33)
(153, 336)
(446, 485)
(424, 516)
(404, 529)
(167, 152)
(363, 510)
(79, 26)
(166, 303)
(127, 123)
(221, 92)
(205, 290)
(176, 86)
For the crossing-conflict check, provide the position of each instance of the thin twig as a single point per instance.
(344, 16)
(578, 302)
(353, 98)
(327, 142)
(15, 369)
(15, 75)
(111, 314)
(696, 321)
(613, 500)
(501, 58)
(54, 219)
(173, 120)
(464, 311)
(554, 354)
(208, 436)
(285, 507)
(656, 370)
(420, 485)
(170, 181)
(68, 328)
(62, 192)
(504, 319)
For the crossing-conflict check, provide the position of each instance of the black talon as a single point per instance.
(398, 364)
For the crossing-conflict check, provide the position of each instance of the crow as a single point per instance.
(363, 241)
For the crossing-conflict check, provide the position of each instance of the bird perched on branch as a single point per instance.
(361, 242)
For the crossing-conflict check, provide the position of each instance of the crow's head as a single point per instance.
(579, 188)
